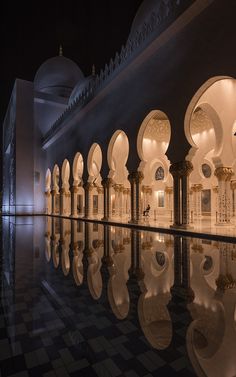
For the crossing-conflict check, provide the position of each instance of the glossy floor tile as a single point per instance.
(83, 299)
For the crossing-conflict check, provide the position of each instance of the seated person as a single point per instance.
(146, 211)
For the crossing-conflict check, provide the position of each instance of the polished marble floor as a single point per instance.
(84, 299)
(205, 225)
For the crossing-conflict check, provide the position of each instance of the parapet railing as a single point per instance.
(167, 9)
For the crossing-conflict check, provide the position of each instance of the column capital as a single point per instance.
(88, 186)
(74, 189)
(197, 248)
(225, 281)
(99, 190)
(181, 168)
(233, 184)
(146, 189)
(197, 187)
(224, 173)
(136, 177)
(107, 182)
(168, 189)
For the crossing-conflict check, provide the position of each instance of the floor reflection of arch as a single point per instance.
(117, 290)
(210, 127)
(94, 277)
(47, 237)
(152, 143)
(78, 190)
(156, 262)
(55, 190)
(155, 320)
(204, 338)
(65, 190)
(48, 196)
(55, 241)
(94, 187)
(77, 249)
(117, 155)
(65, 245)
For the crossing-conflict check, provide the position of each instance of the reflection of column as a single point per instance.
(74, 204)
(107, 260)
(88, 199)
(233, 187)
(106, 183)
(135, 266)
(181, 287)
(180, 172)
(177, 263)
(225, 279)
(224, 175)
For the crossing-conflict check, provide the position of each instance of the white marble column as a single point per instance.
(197, 197)
(121, 201)
(74, 204)
(224, 175)
(169, 201)
(100, 201)
(215, 190)
(48, 202)
(233, 197)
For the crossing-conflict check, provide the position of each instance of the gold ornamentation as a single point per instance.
(224, 173)
(182, 168)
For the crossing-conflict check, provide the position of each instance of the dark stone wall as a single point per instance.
(165, 79)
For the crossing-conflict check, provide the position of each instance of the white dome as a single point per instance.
(58, 76)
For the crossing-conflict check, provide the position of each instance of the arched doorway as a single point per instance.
(94, 186)
(55, 191)
(78, 191)
(152, 143)
(117, 155)
(48, 196)
(65, 190)
(210, 125)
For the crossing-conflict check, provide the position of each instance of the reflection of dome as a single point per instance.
(78, 89)
(57, 76)
(145, 10)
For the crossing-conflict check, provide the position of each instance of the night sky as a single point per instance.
(90, 32)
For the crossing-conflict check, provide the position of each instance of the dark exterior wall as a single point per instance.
(8, 157)
(24, 200)
(163, 78)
